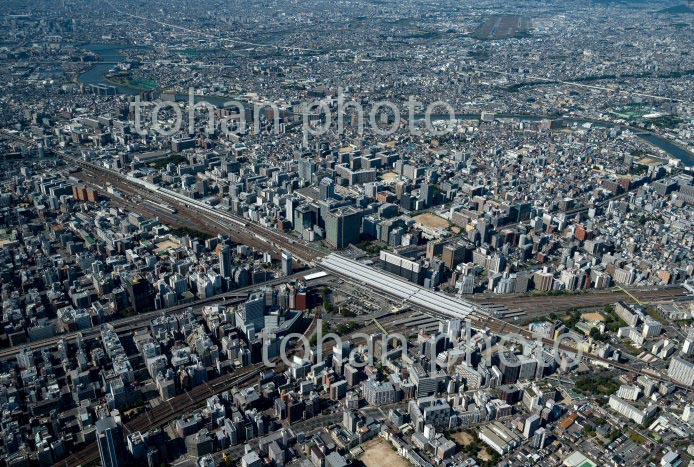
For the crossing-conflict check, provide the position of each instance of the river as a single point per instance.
(110, 55)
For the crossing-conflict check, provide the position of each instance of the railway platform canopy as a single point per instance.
(399, 288)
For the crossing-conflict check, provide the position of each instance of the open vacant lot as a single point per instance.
(484, 455)
(378, 453)
(431, 220)
(463, 438)
(165, 245)
(593, 317)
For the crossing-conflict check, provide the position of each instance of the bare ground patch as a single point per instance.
(379, 453)
(431, 220)
(463, 438)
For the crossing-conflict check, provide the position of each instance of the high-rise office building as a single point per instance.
(426, 194)
(454, 254)
(343, 227)
(510, 368)
(287, 268)
(304, 218)
(326, 188)
(290, 205)
(532, 423)
(376, 393)
(225, 262)
(109, 436)
(253, 311)
(540, 438)
(140, 294)
(306, 169)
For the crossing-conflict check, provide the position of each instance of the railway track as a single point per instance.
(504, 328)
(169, 410)
(535, 306)
(266, 239)
(218, 221)
(185, 216)
(486, 322)
(122, 323)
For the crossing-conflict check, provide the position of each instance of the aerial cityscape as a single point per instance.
(351, 233)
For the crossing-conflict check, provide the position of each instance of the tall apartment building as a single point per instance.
(543, 280)
(681, 371)
(651, 328)
(629, 411)
(624, 311)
